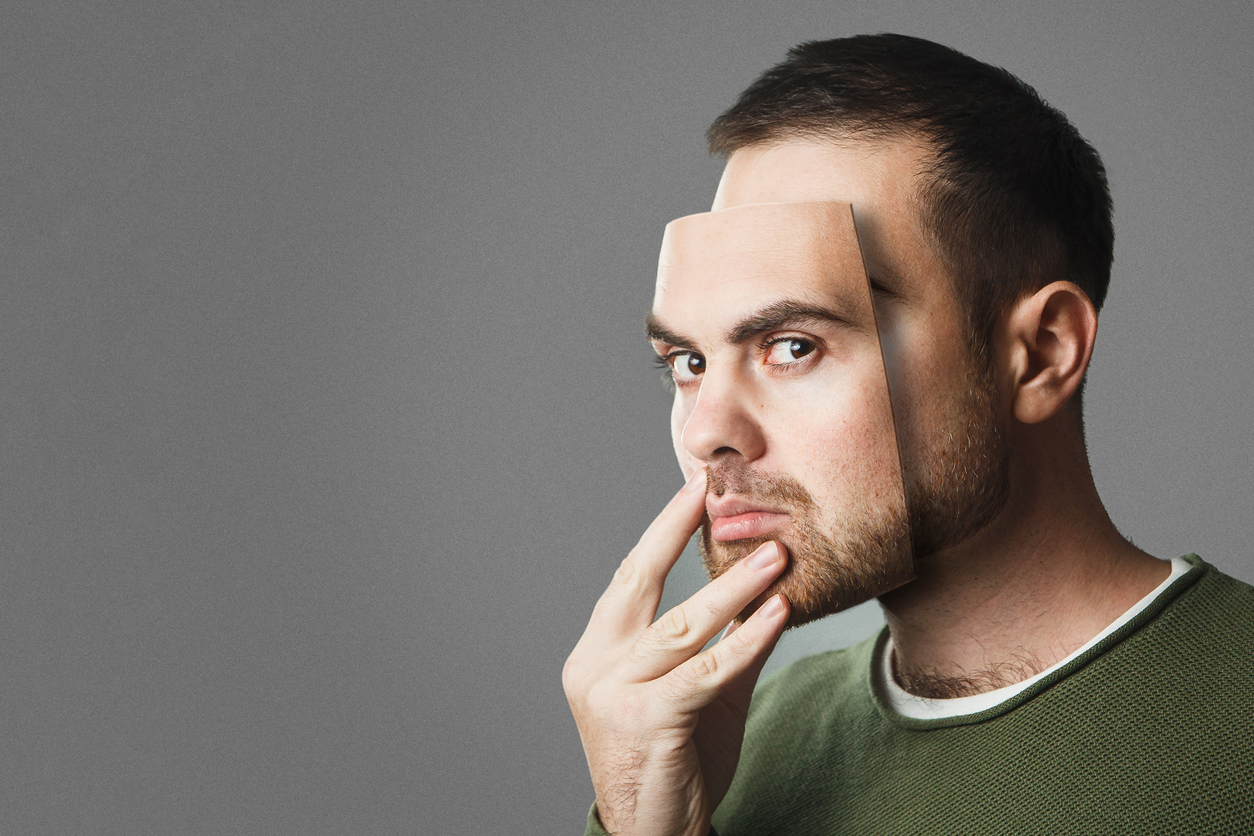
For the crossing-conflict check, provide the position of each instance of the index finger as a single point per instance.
(631, 600)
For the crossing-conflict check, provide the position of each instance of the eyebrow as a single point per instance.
(780, 315)
(655, 330)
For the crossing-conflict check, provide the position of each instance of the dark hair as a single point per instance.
(1014, 196)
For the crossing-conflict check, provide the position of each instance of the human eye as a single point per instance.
(787, 351)
(680, 367)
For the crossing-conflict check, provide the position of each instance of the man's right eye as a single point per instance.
(682, 366)
(686, 366)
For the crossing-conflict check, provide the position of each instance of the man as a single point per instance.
(1040, 673)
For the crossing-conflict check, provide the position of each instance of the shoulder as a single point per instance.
(1222, 595)
(1200, 645)
(1210, 624)
(1178, 676)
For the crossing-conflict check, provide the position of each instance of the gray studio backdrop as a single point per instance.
(326, 410)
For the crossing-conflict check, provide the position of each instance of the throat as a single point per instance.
(935, 685)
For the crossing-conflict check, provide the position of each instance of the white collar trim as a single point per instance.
(923, 708)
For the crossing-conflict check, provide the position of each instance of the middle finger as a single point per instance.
(681, 633)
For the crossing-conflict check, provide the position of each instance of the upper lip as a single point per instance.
(729, 505)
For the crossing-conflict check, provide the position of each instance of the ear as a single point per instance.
(1048, 340)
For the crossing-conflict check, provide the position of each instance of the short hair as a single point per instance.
(1014, 198)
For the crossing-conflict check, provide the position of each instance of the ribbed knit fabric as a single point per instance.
(1151, 731)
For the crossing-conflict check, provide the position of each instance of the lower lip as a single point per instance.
(744, 526)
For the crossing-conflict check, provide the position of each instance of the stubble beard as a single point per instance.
(955, 488)
(961, 481)
(827, 572)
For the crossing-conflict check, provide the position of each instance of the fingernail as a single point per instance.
(766, 555)
(697, 478)
(773, 608)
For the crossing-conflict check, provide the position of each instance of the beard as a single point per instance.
(956, 484)
(827, 571)
(959, 481)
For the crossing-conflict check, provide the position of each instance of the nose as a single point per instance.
(722, 421)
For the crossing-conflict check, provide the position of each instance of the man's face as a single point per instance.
(764, 314)
(795, 428)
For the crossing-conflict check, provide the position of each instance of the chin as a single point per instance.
(824, 575)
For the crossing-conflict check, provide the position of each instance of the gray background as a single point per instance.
(326, 412)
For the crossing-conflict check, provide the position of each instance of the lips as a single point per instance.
(734, 518)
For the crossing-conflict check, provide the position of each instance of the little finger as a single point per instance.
(699, 681)
(682, 631)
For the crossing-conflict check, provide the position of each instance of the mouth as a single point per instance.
(733, 518)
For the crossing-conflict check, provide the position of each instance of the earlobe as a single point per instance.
(1050, 335)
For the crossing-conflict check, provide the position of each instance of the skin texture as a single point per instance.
(1005, 593)
(1048, 570)
(787, 403)
(661, 722)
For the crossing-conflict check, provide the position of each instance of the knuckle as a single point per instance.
(706, 666)
(691, 679)
(673, 627)
(625, 571)
(572, 677)
(629, 574)
(714, 609)
(737, 647)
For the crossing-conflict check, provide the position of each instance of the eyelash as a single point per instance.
(663, 363)
(815, 346)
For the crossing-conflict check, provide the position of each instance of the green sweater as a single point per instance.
(1149, 731)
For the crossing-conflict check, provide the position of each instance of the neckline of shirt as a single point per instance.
(924, 708)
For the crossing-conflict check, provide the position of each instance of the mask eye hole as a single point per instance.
(786, 350)
(680, 367)
(686, 366)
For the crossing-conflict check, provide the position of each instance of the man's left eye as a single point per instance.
(787, 350)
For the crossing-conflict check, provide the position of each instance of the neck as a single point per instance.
(1048, 574)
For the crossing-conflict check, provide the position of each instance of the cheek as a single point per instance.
(933, 376)
(925, 351)
(841, 436)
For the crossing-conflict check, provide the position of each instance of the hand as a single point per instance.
(661, 721)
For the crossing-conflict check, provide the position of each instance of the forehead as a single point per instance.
(722, 265)
(879, 179)
(874, 176)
